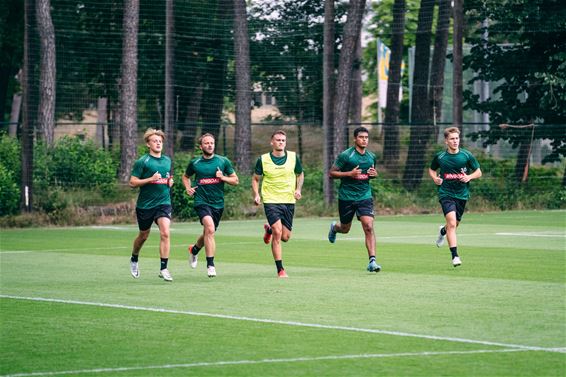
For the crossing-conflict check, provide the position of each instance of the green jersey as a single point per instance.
(355, 188)
(154, 193)
(210, 189)
(452, 168)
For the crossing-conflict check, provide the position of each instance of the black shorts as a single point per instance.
(148, 216)
(283, 212)
(348, 208)
(453, 205)
(215, 213)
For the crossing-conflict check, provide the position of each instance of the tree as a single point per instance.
(128, 89)
(328, 99)
(420, 114)
(391, 126)
(169, 116)
(46, 110)
(242, 138)
(439, 61)
(352, 30)
(527, 72)
(11, 48)
(458, 72)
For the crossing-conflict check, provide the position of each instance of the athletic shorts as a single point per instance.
(453, 205)
(283, 212)
(148, 216)
(348, 208)
(204, 210)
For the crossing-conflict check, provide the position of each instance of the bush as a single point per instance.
(9, 192)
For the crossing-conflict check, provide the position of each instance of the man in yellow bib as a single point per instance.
(281, 175)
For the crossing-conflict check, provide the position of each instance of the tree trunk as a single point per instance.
(522, 164)
(214, 94)
(169, 117)
(102, 121)
(128, 89)
(5, 73)
(26, 192)
(439, 62)
(420, 114)
(46, 109)
(344, 80)
(243, 134)
(190, 124)
(391, 127)
(328, 100)
(457, 89)
(15, 115)
(356, 92)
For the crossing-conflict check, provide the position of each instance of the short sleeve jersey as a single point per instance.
(154, 193)
(355, 188)
(452, 167)
(210, 189)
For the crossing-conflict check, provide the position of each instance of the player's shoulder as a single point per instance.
(466, 153)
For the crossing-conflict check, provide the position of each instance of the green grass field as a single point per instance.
(69, 305)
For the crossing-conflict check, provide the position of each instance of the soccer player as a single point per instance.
(211, 171)
(355, 167)
(281, 175)
(457, 168)
(152, 174)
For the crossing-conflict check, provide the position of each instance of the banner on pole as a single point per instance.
(383, 57)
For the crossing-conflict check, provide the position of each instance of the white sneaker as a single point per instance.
(440, 239)
(193, 259)
(134, 269)
(165, 275)
(211, 271)
(456, 262)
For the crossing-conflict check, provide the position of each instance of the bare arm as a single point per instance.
(138, 182)
(299, 185)
(231, 179)
(336, 173)
(255, 189)
(437, 180)
(476, 174)
(187, 183)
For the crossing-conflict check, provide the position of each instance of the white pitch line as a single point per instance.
(287, 323)
(261, 361)
(531, 235)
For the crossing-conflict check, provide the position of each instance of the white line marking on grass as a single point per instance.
(287, 323)
(261, 361)
(531, 234)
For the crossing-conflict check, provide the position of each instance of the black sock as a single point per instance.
(279, 264)
(443, 231)
(164, 263)
(134, 258)
(454, 251)
(269, 230)
(372, 258)
(195, 249)
(209, 261)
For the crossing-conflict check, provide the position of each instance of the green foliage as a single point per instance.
(9, 192)
(524, 59)
(11, 154)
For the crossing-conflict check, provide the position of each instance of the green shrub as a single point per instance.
(11, 155)
(9, 192)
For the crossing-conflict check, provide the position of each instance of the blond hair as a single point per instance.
(152, 131)
(206, 135)
(279, 132)
(451, 130)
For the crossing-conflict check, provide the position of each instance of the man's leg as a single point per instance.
(451, 225)
(138, 243)
(164, 224)
(367, 226)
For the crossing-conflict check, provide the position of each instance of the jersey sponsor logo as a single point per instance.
(452, 176)
(362, 177)
(209, 181)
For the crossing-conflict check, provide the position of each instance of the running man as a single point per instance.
(457, 168)
(281, 175)
(355, 167)
(211, 171)
(152, 174)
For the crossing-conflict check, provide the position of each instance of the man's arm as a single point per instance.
(231, 179)
(187, 183)
(437, 180)
(336, 173)
(255, 189)
(476, 174)
(299, 185)
(138, 182)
